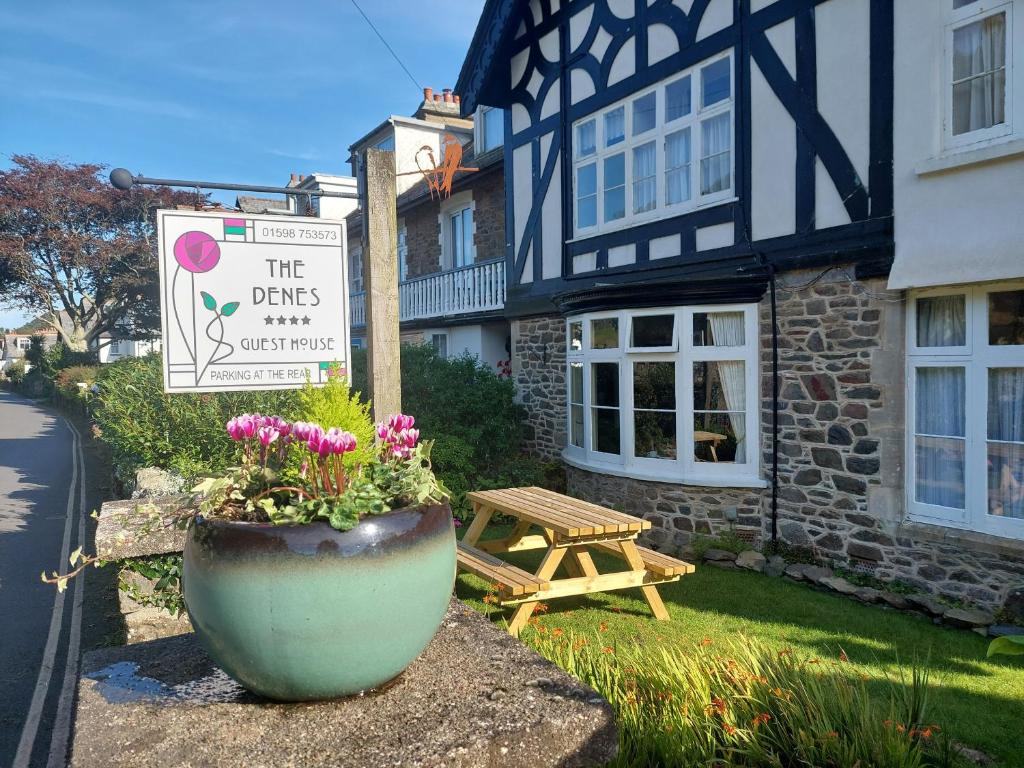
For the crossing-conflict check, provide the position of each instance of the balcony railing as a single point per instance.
(466, 290)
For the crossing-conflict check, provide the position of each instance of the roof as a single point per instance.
(457, 125)
(249, 204)
(477, 84)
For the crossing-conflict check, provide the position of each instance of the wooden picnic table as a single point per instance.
(568, 529)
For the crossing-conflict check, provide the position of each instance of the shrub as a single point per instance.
(469, 413)
(747, 705)
(67, 379)
(60, 357)
(182, 432)
(36, 355)
(15, 372)
(335, 405)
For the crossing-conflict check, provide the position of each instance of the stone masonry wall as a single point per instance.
(489, 216)
(538, 369)
(841, 446)
(423, 240)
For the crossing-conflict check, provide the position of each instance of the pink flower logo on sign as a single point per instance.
(196, 252)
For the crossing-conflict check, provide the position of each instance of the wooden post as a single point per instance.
(380, 280)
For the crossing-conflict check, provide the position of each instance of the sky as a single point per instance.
(245, 92)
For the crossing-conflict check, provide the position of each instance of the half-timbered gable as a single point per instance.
(650, 140)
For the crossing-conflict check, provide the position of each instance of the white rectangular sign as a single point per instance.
(251, 302)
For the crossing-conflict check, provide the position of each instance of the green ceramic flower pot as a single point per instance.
(305, 612)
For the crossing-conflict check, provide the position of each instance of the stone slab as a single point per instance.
(140, 527)
(475, 697)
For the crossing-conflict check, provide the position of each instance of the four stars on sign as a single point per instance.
(282, 320)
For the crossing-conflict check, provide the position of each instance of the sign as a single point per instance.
(251, 302)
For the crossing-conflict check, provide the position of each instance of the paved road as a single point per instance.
(42, 501)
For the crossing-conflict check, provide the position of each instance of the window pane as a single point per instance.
(942, 321)
(654, 435)
(586, 138)
(719, 437)
(614, 126)
(677, 99)
(715, 82)
(467, 237)
(644, 181)
(643, 114)
(605, 384)
(718, 329)
(719, 385)
(677, 167)
(494, 128)
(456, 235)
(716, 154)
(941, 401)
(576, 336)
(576, 383)
(615, 187)
(1006, 318)
(1006, 442)
(979, 74)
(654, 386)
(576, 425)
(605, 427)
(586, 195)
(604, 333)
(940, 471)
(962, 3)
(652, 331)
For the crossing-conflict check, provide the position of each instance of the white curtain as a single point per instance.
(677, 167)
(979, 48)
(614, 126)
(940, 427)
(727, 331)
(942, 321)
(716, 143)
(1006, 442)
(644, 183)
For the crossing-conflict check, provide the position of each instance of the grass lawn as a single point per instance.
(979, 702)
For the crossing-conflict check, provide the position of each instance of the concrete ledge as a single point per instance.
(138, 528)
(475, 697)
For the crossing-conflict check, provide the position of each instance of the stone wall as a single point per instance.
(538, 369)
(422, 238)
(489, 216)
(841, 445)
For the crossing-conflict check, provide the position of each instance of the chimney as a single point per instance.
(458, 99)
(295, 180)
(428, 94)
(437, 98)
(447, 95)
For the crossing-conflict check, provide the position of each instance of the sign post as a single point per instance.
(380, 274)
(252, 302)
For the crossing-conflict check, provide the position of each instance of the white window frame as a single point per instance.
(697, 115)
(456, 204)
(976, 358)
(403, 252)
(684, 469)
(962, 17)
(355, 269)
(480, 129)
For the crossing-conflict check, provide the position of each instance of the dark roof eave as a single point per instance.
(493, 31)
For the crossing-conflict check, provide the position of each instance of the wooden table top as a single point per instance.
(563, 514)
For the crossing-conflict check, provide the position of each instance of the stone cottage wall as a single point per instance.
(538, 369)
(841, 446)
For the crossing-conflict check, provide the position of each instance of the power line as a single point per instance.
(390, 49)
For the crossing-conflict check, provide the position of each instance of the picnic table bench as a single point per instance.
(568, 529)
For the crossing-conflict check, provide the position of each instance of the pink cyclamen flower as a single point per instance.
(400, 422)
(314, 435)
(281, 425)
(250, 423)
(301, 430)
(268, 434)
(234, 428)
(338, 441)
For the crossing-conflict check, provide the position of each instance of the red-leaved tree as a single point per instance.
(79, 253)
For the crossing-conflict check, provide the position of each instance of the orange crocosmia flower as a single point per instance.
(831, 735)
(761, 719)
(718, 705)
(490, 599)
(603, 626)
(607, 649)
(843, 656)
(728, 728)
(541, 608)
(617, 609)
(706, 641)
(557, 632)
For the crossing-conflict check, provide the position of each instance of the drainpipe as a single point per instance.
(770, 269)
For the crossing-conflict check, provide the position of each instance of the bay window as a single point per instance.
(978, 71)
(965, 451)
(632, 160)
(665, 394)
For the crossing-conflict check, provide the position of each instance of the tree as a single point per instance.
(79, 253)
